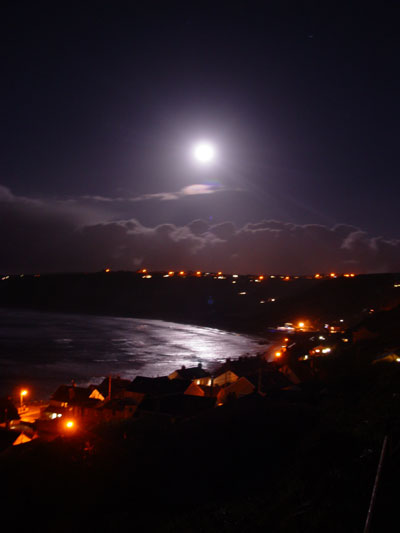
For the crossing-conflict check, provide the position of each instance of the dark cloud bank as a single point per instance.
(59, 236)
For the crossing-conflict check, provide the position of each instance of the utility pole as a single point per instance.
(375, 487)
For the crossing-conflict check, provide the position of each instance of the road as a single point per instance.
(30, 413)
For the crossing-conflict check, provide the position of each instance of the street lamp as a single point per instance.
(22, 394)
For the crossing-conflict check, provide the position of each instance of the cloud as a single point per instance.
(199, 188)
(195, 189)
(43, 236)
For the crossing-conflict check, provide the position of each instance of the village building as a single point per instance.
(225, 378)
(209, 391)
(175, 407)
(110, 388)
(196, 373)
(236, 389)
(268, 379)
(144, 387)
(390, 356)
(243, 365)
(116, 409)
(71, 401)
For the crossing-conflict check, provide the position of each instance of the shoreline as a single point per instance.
(86, 359)
(250, 332)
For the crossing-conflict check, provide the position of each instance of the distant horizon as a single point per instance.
(193, 273)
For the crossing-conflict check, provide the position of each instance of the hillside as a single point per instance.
(244, 303)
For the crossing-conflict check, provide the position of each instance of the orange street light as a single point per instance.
(278, 354)
(22, 394)
(69, 424)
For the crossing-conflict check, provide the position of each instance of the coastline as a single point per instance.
(54, 347)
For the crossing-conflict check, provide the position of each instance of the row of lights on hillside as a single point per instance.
(198, 273)
(220, 275)
(261, 277)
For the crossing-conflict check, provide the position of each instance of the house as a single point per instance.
(175, 407)
(116, 408)
(194, 373)
(298, 371)
(142, 387)
(203, 390)
(225, 377)
(243, 365)
(387, 357)
(260, 378)
(268, 379)
(67, 395)
(22, 439)
(69, 400)
(237, 389)
(110, 388)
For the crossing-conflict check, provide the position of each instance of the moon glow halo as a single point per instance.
(204, 152)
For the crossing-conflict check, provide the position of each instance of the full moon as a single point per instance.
(204, 152)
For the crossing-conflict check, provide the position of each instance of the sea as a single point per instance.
(40, 351)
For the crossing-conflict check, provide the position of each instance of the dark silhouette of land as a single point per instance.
(244, 304)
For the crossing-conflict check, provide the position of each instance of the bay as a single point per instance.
(43, 350)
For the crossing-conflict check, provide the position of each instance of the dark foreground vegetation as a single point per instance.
(300, 462)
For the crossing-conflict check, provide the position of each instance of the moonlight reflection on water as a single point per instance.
(43, 350)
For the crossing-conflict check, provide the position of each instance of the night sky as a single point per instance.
(102, 103)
